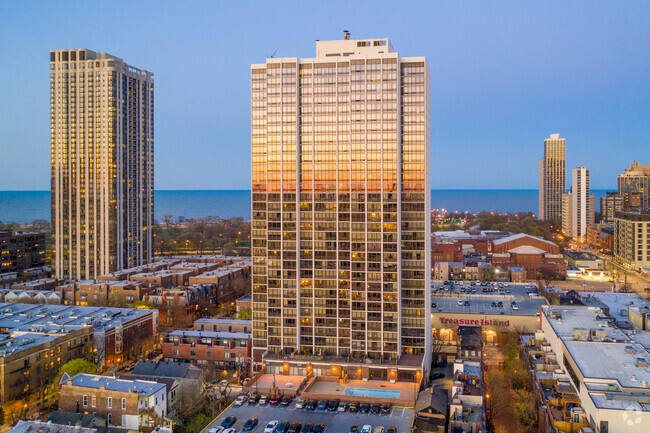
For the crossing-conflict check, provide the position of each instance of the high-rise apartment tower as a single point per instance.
(635, 181)
(102, 147)
(552, 178)
(578, 208)
(341, 205)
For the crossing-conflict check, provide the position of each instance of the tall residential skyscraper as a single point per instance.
(635, 180)
(578, 207)
(552, 178)
(341, 207)
(102, 163)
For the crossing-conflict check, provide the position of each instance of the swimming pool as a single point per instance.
(376, 393)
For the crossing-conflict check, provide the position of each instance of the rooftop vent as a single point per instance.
(642, 362)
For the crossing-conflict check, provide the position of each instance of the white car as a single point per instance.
(271, 426)
(240, 400)
(460, 302)
(216, 430)
(230, 430)
(366, 429)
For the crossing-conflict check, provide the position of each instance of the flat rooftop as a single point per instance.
(25, 316)
(565, 319)
(224, 321)
(142, 387)
(618, 303)
(212, 334)
(616, 361)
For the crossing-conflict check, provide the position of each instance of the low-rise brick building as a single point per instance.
(30, 360)
(103, 293)
(130, 404)
(205, 347)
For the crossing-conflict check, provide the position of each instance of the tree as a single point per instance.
(526, 410)
(245, 314)
(197, 421)
(76, 366)
(143, 305)
(167, 219)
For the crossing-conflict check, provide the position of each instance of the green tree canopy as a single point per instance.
(143, 305)
(76, 366)
(245, 314)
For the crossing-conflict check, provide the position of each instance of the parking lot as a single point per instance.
(476, 300)
(335, 422)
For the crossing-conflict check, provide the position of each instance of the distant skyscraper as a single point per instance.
(102, 163)
(341, 207)
(578, 205)
(611, 203)
(635, 179)
(552, 178)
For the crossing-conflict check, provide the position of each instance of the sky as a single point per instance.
(504, 75)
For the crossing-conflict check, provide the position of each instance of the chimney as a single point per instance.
(346, 35)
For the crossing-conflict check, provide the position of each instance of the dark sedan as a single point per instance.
(375, 408)
(364, 408)
(229, 421)
(319, 428)
(353, 408)
(332, 405)
(250, 424)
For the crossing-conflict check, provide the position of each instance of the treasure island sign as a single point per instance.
(474, 322)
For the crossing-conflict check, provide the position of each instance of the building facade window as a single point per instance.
(109, 403)
(123, 403)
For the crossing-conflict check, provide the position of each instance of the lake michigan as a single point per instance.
(27, 206)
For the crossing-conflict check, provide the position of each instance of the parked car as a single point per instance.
(500, 304)
(271, 426)
(353, 407)
(354, 428)
(322, 405)
(275, 400)
(332, 405)
(286, 400)
(283, 427)
(494, 304)
(229, 421)
(434, 305)
(366, 429)
(216, 430)
(263, 400)
(239, 401)
(311, 405)
(295, 427)
(343, 407)
(308, 427)
(364, 408)
(434, 376)
(467, 303)
(378, 429)
(300, 403)
(319, 428)
(254, 400)
(460, 302)
(375, 408)
(392, 429)
(387, 407)
(250, 424)
(230, 430)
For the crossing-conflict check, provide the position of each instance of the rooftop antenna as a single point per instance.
(273, 55)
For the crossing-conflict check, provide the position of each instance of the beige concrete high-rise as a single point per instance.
(552, 178)
(578, 206)
(341, 204)
(102, 155)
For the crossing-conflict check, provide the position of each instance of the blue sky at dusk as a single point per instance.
(504, 75)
